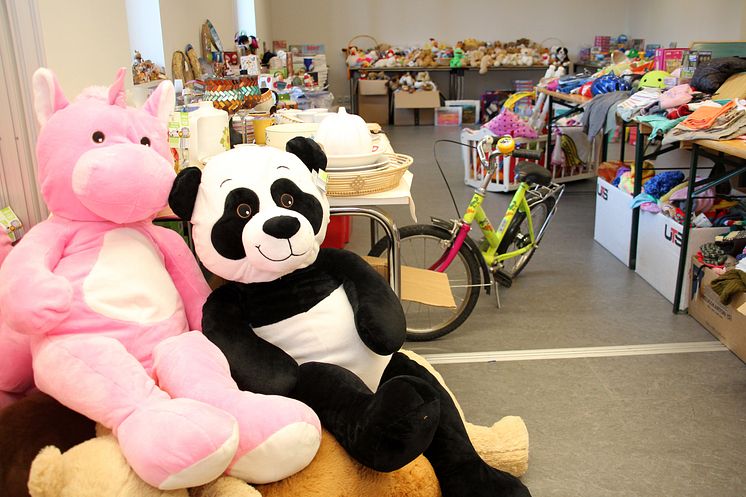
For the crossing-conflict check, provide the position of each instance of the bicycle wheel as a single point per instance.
(517, 235)
(421, 246)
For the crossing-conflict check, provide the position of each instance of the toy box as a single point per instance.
(11, 224)
(669, 59)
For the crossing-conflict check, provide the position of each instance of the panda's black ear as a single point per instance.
(184, 192)
(308, 151)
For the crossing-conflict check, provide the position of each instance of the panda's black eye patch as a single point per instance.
(240, 206)
(287, 195)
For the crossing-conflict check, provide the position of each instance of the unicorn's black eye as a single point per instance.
(98, 137)
(145, 141)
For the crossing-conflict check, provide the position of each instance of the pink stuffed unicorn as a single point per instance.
(106, 300)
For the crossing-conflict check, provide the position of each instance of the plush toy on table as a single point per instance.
(458, 55)
(106, 301)
(319, 325)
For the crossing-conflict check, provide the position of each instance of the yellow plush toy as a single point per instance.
(96, 468)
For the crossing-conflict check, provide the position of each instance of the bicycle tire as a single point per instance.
(464, 262)
(519, 226)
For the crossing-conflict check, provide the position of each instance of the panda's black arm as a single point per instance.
(379, 317)
(256, 365)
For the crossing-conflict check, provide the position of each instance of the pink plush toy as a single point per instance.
(508, 123)
(106, 301)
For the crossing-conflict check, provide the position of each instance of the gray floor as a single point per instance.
(638, 426)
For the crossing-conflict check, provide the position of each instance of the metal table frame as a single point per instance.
(391, 232)
(739, 163)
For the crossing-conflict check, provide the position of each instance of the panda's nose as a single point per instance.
(281, 226)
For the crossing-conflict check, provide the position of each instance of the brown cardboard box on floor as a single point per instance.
(418, 285)
(416, 100)
(372, 87)
(726, 322)
(374, 108)
(406, 117)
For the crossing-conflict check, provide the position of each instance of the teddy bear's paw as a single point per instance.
(477, 479)
(398, 425)
(284, 453)
(178, 443)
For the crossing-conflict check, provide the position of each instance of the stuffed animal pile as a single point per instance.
(101, 303)
(320, 326)
(467, 53)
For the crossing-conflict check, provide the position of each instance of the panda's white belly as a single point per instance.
(327, 333)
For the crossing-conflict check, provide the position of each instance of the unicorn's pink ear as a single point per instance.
(161, 103)
(116, 90)
(48, 96)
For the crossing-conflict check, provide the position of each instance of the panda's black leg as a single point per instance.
(384, 430)
(460, 470)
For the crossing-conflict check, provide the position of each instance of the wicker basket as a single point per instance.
(353, 184)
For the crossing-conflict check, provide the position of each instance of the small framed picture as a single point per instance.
(469, 110)
(448, 116)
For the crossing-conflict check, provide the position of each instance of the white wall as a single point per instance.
(85, 41)
(145, 35)
(181, 21)
(685, 21)
(263, 12)
(408, 22)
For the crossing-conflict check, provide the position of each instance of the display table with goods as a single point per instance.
(521, 59)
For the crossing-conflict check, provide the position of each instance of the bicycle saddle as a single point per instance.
(532, 173)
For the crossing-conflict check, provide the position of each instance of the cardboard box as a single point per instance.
(669, 59)
(613, 222)
(658, 247)
(726, 322)
(372, 87)
(419, 285)
(374, 108)
(406, 117)
(416, 100)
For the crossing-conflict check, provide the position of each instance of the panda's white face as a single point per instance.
(258, 215)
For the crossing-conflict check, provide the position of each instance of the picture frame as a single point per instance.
(448, 116)
(470, 110)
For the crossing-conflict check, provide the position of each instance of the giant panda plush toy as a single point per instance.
(318, 325)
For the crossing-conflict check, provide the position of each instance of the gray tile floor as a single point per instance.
(636, 426)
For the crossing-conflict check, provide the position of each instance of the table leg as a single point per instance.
(687, 226)
(390, 231)
(623, 141)
(639, 153)
(604, 147)
(548, 151)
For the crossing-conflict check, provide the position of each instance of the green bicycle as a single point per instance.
(502, 254)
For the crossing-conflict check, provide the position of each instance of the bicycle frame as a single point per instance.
(474, 212)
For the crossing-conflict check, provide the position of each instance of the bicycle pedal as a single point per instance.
(502, 278)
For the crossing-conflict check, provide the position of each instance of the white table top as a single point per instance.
(401, 195)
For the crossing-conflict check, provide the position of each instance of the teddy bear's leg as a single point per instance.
(170, 443)
(278, 436)
(16, 374)
(384, 431)
(460, 470)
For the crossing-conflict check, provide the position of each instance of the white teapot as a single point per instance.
(344, 134)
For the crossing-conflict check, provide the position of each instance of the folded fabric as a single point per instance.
(632, 106)
(646, 202)
(676, 96)
(660, 123)
(704, 117)
(729, 285)
(679, 192)
(595, 111)
(727, 125)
